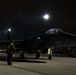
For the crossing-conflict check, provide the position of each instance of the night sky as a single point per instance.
(25, 17)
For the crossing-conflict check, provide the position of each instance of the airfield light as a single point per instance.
(9, 30)
(46, 16)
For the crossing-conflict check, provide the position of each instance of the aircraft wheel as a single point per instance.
(49, 57)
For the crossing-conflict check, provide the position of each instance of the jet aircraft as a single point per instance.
(57, 37)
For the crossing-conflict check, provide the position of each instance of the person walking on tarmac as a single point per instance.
(10, 53)
(49, 53)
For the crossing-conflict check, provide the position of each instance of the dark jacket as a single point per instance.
(11, 49)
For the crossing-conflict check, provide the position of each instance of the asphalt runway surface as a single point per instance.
(59, 65)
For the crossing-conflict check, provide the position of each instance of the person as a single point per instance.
(49, 53)
(10, 53)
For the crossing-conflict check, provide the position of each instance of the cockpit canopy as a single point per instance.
(54, 31)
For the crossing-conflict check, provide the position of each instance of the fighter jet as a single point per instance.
(58, 37)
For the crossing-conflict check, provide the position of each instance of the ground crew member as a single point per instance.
(10, 53)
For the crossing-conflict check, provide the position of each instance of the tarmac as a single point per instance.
(59, 65)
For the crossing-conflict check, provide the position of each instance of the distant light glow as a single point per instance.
(46, 16)
(9, 30)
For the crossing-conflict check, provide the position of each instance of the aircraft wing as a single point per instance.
(25, 45)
